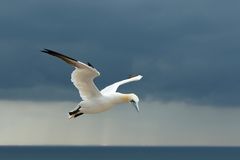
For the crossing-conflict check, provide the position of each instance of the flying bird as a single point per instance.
(94, 100)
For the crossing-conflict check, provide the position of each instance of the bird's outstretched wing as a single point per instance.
(82, 77)
(113, 88)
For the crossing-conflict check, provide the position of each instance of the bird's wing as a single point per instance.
(113, 88)
(82, 77)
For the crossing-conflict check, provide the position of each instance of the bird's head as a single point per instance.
(133, 99)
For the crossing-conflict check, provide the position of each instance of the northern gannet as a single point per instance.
(93, 100)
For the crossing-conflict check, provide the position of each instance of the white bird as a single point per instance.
(93, 100)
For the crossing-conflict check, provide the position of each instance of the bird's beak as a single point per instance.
(135, 105)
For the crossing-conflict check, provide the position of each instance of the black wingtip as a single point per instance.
(132, 75)
(90, 65)
(44, 50)
(57, 54)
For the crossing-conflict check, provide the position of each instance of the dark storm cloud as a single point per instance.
(186, 50)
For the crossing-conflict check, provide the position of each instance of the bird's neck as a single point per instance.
(121, 98)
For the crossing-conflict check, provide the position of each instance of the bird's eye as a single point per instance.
(132, 101)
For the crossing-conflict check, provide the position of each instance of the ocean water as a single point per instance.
(118, 153)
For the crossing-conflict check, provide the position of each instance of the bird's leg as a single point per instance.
(74, 111)
(78, 114)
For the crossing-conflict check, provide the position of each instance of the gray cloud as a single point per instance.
(186, 50)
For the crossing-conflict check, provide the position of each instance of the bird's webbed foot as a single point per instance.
(74, 111)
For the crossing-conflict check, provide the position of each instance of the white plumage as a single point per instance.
(83, 81)
(93, 100)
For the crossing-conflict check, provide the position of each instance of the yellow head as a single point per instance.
(133, 99)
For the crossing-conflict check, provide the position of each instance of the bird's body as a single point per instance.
(93, 100)
(101, 103)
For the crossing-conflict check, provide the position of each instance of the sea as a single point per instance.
(117, 153)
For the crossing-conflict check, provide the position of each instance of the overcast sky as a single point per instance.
(187, 51)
